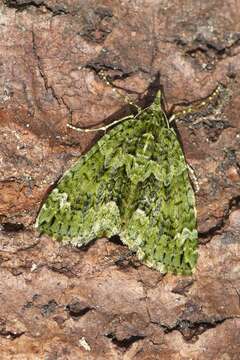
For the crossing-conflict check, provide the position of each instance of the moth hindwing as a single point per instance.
(133, 183)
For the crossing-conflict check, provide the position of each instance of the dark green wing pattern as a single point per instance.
(134, 182)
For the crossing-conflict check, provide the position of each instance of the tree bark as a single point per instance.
(59, 302)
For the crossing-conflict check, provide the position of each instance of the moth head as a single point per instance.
(156, 105)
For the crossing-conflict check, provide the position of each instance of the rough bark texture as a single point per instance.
(64, 303)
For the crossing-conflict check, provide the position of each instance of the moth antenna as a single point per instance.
(197, 107)
(103, 128)
(125, 98)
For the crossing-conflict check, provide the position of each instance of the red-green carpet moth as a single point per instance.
(133, 183)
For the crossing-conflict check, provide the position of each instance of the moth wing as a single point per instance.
(162, 226)
(87, 201)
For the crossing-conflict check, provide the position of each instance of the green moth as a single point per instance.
(133, 183)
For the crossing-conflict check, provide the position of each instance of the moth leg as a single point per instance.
(104, 128)
(193, 178)
(123, 257)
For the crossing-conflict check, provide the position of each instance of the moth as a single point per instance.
(134, 183)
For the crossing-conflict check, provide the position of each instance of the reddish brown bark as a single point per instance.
(64, 303)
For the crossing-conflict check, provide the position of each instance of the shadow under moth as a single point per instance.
(133, 183)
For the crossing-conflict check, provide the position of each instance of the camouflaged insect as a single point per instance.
(133, 183)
